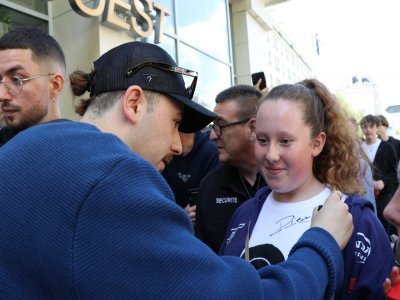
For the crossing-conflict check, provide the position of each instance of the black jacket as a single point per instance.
(221, 192)
(184, 173)
(385, 167)
(396, 145)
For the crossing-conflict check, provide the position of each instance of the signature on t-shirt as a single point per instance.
(289, 221)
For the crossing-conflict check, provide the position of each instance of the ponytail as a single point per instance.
(338, 164)
(80, 83)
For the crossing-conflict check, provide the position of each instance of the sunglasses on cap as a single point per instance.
(193, 74)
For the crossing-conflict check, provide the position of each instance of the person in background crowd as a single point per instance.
(32, 71)
(85, 213)
(237, 178)
(185, 172)
(306, 152)
(382, 132)
(365, 169)
(384, 164)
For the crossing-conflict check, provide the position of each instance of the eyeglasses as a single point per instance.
(14, 86)
(218, 128)
(190, 89)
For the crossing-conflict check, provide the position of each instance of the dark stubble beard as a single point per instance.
(25, 122)
(9, 131)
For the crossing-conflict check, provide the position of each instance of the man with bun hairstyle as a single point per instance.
(92, 218)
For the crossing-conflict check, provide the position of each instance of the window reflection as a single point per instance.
(10, 19)
(207, 30)
(169, 25)
(168, 45)
(214, 76)
(37, 5)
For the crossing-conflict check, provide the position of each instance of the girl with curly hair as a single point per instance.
(307, 152)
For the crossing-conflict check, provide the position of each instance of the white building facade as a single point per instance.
(225, 41)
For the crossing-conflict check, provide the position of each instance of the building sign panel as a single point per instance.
(139, 17)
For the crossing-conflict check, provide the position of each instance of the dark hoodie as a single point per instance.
(368, 257)
(184, 173)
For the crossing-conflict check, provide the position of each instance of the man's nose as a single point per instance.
(176, 145)
(213, 135)
(4, 92)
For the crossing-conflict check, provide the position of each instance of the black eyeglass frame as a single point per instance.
(218, 129)
(167, 67)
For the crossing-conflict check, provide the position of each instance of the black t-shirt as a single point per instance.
(6, 134)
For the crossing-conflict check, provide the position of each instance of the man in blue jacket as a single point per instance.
(85, 213)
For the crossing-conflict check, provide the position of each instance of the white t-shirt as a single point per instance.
(371, 149)
(281, 224)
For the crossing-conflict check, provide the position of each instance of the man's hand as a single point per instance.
(335, 218)
(264, 91)
(191, 212)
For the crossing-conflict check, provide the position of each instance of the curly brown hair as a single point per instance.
(338, 163)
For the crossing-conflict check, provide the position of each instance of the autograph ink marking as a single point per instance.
(289, 221)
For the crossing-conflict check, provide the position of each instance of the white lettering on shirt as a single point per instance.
(226, 200)
(233, 232)
(363, 248)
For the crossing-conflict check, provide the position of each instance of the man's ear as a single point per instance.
(133, 103)
(56, 84)
(252, 129)
(318, 144)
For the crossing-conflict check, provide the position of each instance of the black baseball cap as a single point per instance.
(151, 68)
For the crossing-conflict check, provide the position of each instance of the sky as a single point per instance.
(356, 38)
